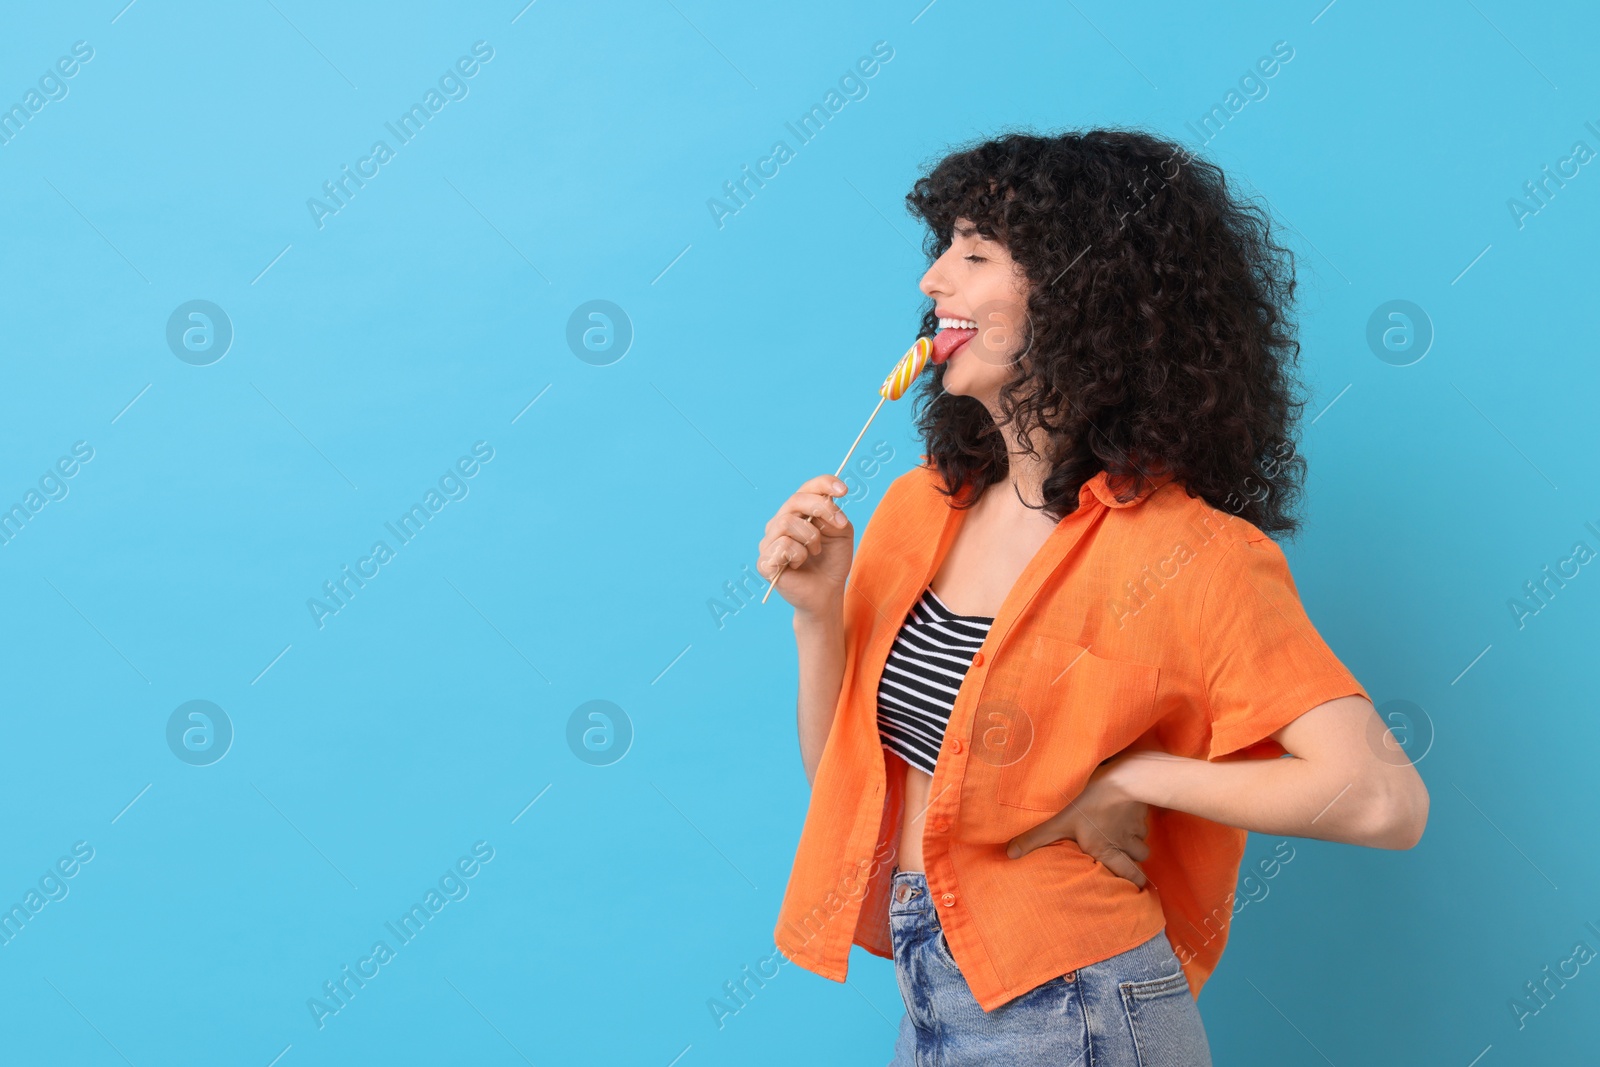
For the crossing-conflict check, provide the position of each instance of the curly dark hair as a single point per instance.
(1159, 335)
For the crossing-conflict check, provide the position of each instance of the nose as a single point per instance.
(936, 282)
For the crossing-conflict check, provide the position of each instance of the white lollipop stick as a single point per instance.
(893, 388)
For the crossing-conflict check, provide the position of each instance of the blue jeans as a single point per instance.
(1132, 1010)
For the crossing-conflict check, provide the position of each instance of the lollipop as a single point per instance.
(906, 371)
(893, 388)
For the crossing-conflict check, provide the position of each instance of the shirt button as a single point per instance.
(955, 744)
(948, 900)
(977, 659)
(941, 824)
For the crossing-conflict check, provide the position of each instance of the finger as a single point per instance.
(1137, 849)
(1047, 832)
(769, 567)
(808, 509)
(768, 563)
(825, 485)
(782, 553)
(1117, 862)
(773, 543)
(818, 506)
(803, 533)
(794, 553)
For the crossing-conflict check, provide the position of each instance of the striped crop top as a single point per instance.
(929, 659)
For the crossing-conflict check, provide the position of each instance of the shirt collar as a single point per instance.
(1102, 488)
(926, 542)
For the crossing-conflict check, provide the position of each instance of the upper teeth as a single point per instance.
(957, 324)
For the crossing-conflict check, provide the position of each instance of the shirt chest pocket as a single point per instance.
(1047, 719)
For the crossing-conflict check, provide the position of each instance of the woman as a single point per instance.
(1067, 640)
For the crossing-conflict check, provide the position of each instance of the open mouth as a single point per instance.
(953, 335)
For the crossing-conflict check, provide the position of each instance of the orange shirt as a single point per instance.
(1159, 622)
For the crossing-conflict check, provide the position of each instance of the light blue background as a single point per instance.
(432, 310)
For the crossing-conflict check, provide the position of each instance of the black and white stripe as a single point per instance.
(929, 658)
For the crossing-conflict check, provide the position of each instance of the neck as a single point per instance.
(1027, 471)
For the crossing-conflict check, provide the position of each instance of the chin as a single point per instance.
(977, 380)
(953, 381)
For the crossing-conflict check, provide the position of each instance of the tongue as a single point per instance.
(946, 342)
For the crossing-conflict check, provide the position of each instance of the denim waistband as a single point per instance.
(908, 893)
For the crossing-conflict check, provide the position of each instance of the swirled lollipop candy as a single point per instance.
(893, 388)
(905, 372)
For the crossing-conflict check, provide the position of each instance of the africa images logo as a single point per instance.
(452, 886)
(737, 193)
(338, 192)
(452, 485)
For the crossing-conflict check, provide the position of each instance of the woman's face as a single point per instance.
(980, 296)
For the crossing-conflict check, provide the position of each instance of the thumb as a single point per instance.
(1062, 826)
(1028, 840)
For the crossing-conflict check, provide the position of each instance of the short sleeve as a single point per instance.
(1263, 662)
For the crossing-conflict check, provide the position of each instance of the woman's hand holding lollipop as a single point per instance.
(792, 540)
(820, 557)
